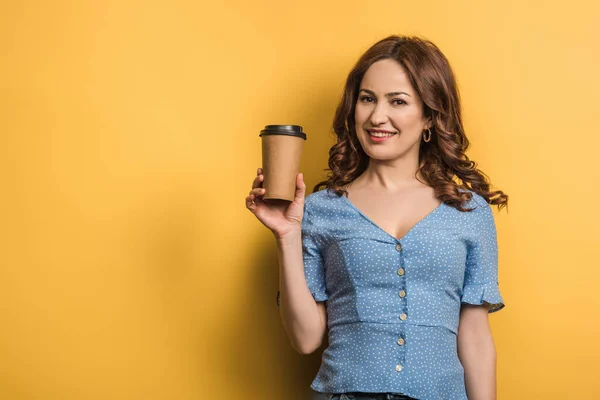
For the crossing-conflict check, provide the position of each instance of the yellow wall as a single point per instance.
(129, 266)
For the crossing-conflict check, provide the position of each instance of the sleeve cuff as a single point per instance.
(485, 292)
(320, 296)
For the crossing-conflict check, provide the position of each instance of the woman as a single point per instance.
(397, 260)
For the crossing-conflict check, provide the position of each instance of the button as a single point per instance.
(398, 368)
(403, 317)
(400, 341)
(400, 271)
(402, 293)
(399, 247)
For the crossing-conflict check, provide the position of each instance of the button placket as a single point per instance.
(402, 292)
(400, 341)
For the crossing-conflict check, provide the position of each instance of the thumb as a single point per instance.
(300, 189)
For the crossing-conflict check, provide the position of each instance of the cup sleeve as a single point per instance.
(312, 256)
(481, 272)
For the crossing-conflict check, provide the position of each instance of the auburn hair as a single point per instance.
(442, 161)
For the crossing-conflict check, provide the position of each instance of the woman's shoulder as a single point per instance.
(476, 201)
(323, 207)
(326, 198)
(321, 198)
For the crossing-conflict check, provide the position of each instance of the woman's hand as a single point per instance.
(280, 216)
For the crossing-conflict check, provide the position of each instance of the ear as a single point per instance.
(428, 122)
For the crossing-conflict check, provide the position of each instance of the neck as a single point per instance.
(390, 175)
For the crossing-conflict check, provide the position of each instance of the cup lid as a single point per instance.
(290, 130)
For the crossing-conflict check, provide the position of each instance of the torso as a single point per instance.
(395, 213)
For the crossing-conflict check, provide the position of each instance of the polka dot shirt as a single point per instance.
(393, 305)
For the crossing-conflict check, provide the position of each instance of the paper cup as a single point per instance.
(282, 147)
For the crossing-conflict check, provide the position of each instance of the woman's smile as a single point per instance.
(378, 135)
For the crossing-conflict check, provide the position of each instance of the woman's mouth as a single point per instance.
(379, 137)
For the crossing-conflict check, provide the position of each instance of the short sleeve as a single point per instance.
(481, 272)
(314, 266)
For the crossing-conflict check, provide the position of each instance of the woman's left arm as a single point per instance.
(477, 352)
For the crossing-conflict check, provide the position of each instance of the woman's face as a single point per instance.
(387, 102)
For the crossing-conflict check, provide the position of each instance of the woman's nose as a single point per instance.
(379, 115)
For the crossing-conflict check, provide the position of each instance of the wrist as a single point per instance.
(289, 239)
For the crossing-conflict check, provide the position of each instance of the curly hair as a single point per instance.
(442, 160)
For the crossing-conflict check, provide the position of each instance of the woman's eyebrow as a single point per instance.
(387, 95)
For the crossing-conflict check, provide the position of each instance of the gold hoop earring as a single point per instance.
(429, 138)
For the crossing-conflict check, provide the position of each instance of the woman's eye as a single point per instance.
(365, 98)
(398, 102)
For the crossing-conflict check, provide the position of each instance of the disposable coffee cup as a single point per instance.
(282, 147)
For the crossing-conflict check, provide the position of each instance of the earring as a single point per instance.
(429, 138)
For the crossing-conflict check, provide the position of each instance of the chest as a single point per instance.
(396, 214)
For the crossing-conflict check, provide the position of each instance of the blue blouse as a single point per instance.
(393, 305)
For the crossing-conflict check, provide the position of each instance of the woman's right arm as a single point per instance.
(304, 319)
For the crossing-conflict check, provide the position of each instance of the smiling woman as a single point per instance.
(399, 252)
(401, 150)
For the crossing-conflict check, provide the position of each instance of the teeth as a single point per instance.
(380, 134)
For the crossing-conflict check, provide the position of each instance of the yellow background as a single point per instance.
(129, 266)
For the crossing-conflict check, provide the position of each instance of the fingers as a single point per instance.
(253, 198)
(250, 203)
(257, 192)
(259, 179)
